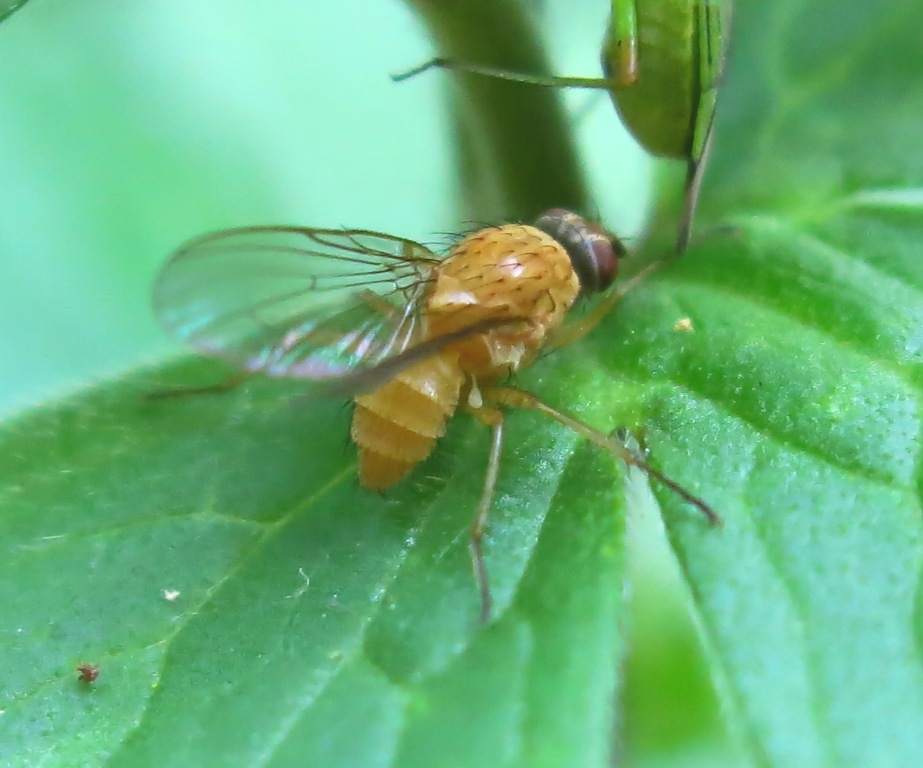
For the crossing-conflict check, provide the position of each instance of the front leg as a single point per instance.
(511, 397)
(575, 331)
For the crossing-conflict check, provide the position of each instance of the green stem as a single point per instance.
(516, 150)
(7, 7)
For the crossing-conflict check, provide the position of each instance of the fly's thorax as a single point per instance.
(510, 272)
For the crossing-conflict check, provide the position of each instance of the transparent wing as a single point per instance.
(337, 307)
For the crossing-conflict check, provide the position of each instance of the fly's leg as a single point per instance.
(576, 331)
(493, 418)
(517, 398)
(228, 385)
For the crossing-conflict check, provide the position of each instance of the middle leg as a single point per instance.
(492, 417)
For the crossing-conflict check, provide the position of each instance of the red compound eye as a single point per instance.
(594, 253)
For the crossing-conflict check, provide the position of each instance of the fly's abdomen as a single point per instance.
(396, 426)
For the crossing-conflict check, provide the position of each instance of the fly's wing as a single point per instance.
(339, 308)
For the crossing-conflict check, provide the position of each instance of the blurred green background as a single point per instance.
(129, 126)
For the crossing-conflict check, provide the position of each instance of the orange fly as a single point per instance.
(410, 336)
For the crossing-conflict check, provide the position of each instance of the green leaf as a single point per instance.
(312, 617)
(794, 406)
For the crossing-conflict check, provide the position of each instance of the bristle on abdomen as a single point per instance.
(396, 426)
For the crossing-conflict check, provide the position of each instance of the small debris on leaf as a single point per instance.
(88, 672)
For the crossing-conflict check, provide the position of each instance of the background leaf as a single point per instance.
(317, 622)
(797, 397)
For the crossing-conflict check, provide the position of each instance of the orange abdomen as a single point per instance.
(396, 426)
